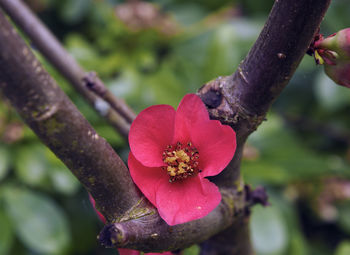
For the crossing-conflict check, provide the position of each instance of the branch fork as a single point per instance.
(240, 100)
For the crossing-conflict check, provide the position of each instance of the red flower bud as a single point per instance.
(339, 73)
(338, 43)
(334, 53)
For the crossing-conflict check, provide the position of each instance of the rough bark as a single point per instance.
(151, 233)
(57, 122)
(240, 100)
(243, 99)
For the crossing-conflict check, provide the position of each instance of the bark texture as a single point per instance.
(240, 100)
(243, 99)
(58, 123)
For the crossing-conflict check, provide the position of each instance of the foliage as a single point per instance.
(301, 154)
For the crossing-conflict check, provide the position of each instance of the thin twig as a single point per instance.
(94, 83)
(51, 48)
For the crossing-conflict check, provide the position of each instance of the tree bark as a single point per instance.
(240, 100)
(57, 122)
(243, 99)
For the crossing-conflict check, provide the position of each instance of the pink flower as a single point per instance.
(135, 252)
(334, 53)
(171, 154)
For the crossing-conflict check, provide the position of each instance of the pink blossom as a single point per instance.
(171, 154)
(135, 252)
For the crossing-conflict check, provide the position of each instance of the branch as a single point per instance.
(96, 85)
(57, 122)
(120, 116)
(240, 100)
(243, 99)
(151, 234)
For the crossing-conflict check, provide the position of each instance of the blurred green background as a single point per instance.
(153, 53)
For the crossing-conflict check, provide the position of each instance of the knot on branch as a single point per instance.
(224, 105)
(256, 196)
(111, 236)
(213, 97)
(92, 82)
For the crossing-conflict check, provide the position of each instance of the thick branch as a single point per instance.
(51, 48)
(243, 99)
(151, 233)
(234, 240)
(57, 122)
(240, 100)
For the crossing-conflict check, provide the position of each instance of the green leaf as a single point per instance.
(6, 234)
(4, 162)
(81, 50)
(278, 163)
(343, 248)
(63, 180)
(73, 11)
(343, 216)
(269, 232)
(193, 250)
(227, 44)
(31, 165)
(39, 223)
(330, 95)
(297, 243)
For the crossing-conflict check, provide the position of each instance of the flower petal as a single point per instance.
(100, 215)
(216, 144)
(123, 251)
(339, 73)
(164, 253)
(187, 200)
(150, 133)
(191, 110)
(147, 179)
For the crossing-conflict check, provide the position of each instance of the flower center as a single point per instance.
(182, 161)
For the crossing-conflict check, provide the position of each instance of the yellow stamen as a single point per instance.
(182, 156)
(182, 161)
